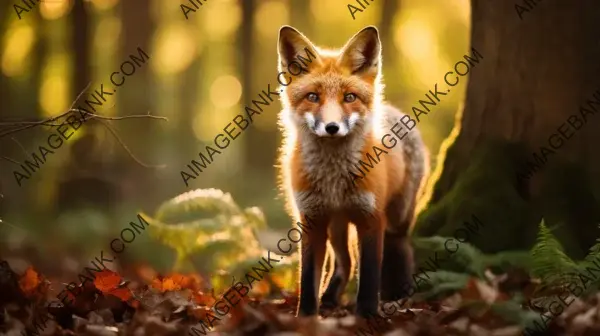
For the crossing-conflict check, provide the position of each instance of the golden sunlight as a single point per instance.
(269, 16)
(55, 87)
(174, 48)
(18, 42)
(225, 91)
(54, 9)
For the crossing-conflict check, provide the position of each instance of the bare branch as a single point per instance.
(79, 95)
(36, 123)
(21, 125)
(10, 160)
(48, 121)
(114, 133)
(124, 117)
(18, 143)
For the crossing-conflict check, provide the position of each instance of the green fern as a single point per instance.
(557, 271)
(195, 204)
(594, 254)
(207, 222)
(550, 263)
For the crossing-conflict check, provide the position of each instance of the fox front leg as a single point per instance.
(312, 256)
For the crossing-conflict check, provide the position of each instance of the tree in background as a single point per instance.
(540, 67)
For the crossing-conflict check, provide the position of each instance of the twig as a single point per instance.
(114, 133)
(124, 117)
(48, 121)
(79, 96)
(11, 160)
(27, 124)
(31, 125)
(22, 125)
(18, 143)
(32, 122)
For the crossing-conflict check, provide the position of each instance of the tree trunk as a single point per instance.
(245, 39)
(389, 9)
(536, 72)
(81, 46)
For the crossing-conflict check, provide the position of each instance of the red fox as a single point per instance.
(333, 115)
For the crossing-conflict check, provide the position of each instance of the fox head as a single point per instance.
(330, 94)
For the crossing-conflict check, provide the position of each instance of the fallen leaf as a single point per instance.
(29, 282)
(122, 293)
(107, 280)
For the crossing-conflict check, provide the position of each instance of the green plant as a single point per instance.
(556, 270)
(207, 222)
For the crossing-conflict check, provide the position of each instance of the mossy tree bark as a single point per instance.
(539, 67)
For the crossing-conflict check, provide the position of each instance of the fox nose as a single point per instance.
(332, 128)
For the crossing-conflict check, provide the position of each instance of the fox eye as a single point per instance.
(313, 97)
(349, 97)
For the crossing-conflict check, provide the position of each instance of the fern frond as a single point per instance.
(186, 237)
(548, 256)
(196, 204)
(549, 261)
(594, 253)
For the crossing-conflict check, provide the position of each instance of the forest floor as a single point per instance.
(152, 304)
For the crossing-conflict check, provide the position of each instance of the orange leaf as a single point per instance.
(107, 280)
(29, 281)
(203, 299)
(122, 293)
(157, 284)
(193, 282)
(177, 281)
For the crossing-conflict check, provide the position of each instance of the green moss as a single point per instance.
(488, 189)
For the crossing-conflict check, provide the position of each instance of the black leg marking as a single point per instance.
(369, 278)
(312, 249)
(308, 292)
(397, 267)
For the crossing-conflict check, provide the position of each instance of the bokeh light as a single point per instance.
(225, 91)
(18, 42)
(175, 48)
(221, 18)
(54, 9)
(269, 16)
(55, 87)
(104, 4)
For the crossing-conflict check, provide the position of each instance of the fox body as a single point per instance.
(333, 115)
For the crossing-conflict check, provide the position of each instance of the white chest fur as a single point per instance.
(328, 163)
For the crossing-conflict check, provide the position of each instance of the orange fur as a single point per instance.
(343, 90)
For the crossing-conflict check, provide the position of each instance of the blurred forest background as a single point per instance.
(200, 74)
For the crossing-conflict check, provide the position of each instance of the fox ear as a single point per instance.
(291, 44)
(362, 53)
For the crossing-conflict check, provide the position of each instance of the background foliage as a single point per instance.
(200, 74)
